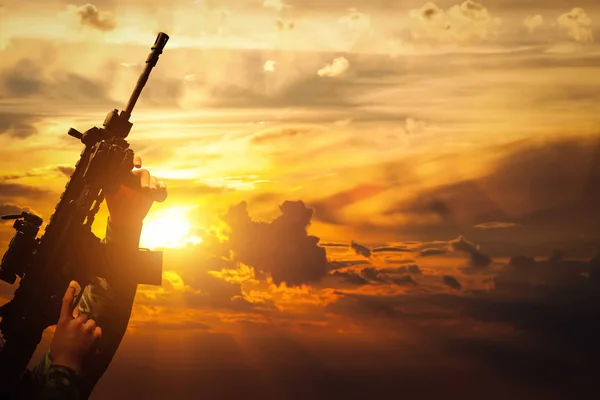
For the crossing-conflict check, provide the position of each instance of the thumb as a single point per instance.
(66, 310)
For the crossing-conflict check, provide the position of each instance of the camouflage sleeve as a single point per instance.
(109, 304)
(55, 382)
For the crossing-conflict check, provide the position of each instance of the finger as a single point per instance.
(137, 161)
(161, 193)
(66, 310)
(97, 333)
(144, 176)
(153, 186)
(82, 318)
(89, 325)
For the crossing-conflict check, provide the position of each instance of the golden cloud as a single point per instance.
(577, 24)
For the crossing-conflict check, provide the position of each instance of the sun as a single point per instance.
(168, 228)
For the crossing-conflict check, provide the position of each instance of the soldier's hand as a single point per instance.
(74, 337)
(131, 205)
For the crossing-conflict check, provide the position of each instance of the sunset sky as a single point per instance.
(445, 156)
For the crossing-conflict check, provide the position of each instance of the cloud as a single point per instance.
(577, 25)
(497, 225)
(403, 280)
(6, 209)
(337, 67)
(90, 16)
(360, 249)
(452, 282)
(280, 248)
(11, 190)
(66, 170)
(18, 125)
(460, 23)
(351, 278)
(406, 269)
(422, 206)
(373, 275)
(478, 259)
(334, 244)
(562, 184)
(524, 276)
(24, 79)
(532, 22)
(329, 209)
(432, 252)
(269, 66)
(279, 133)
(392, 249)
(356, 20)
(276, 5)
(347, 263)
(27, 78)
(44, 172)
(413, 126)
(215, 293)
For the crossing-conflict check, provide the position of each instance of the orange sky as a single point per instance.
(431, 142)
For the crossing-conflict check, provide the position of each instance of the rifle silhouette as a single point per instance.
(68, 250)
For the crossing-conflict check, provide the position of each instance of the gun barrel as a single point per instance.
(156, 51)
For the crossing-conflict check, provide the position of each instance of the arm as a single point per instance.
(110, 302)
(58, 375)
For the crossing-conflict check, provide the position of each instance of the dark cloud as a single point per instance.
(328, 209)
(429, 11)
(162, 91)
(347, 263)
(403, 280)
(359, 305)
(403, 269)
(387, 276)
(351, 278)
(11, 190)
(561, 187)
(66, 170)
(18, 125)
(90, 16)
(432, 252)
(422, 206)
(391, 249)
(23, 79)
(334, 245)
(477, 258)
(282, 247)
(524, 276)
(550, 308)
(26, 78)
(452, 282)
(360, 249)
(7, 208)
(373, 275)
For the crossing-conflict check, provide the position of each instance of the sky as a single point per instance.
(366, 198)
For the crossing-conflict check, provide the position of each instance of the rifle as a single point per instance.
(68, 250)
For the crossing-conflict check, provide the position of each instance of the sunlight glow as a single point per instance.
(168, 228)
